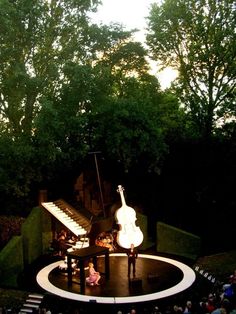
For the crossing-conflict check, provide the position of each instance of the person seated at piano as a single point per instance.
(62, 243)
(71, 239)
(94, 276)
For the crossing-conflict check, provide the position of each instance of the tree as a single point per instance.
(68, 87)
(62, 124)
(129, 123)
(110, 101)
(37, 37)
(197, 37)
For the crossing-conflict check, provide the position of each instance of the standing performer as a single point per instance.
(132, 256)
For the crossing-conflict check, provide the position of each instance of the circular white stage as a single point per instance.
(187, 280)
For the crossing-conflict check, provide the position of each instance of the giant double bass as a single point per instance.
(128, 232)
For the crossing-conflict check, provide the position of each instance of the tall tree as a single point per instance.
(129, 122)
(37, 37)
(62, 125)
(112, 104)
(66, 87)
(197, 37)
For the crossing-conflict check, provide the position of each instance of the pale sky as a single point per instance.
(131, 14)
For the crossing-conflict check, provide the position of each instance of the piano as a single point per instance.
(77, 223)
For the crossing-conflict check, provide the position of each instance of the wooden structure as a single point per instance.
(85, 254)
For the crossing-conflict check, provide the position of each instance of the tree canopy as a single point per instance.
(197, 37)
(69, 87)
(37, 38)
(64, 84)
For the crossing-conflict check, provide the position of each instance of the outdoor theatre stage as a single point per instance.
(160, 277)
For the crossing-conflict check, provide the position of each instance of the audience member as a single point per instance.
(188, 307)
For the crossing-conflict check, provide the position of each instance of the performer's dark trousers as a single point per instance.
(131, 261)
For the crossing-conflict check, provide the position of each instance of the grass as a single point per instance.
(220, 265)
(10, 298)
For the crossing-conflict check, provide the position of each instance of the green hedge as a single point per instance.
(21, 251)
(11, 262)
(37, 234)
(142, 222)
(46, 222)
(175, 241)
(31, 231)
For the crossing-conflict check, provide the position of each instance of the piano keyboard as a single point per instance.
(67, 217)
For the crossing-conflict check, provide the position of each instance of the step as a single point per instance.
(25, 310)
(35, 301)
(38, 296)
(35, 306)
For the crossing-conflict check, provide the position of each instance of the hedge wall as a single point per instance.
(31, 231)
(11, 262)
(175, 241)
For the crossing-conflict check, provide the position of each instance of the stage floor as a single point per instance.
(159, 277)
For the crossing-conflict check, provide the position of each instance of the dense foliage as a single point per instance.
(197, 37)
(69, 87)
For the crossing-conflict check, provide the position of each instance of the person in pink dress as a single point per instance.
(94, 276)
